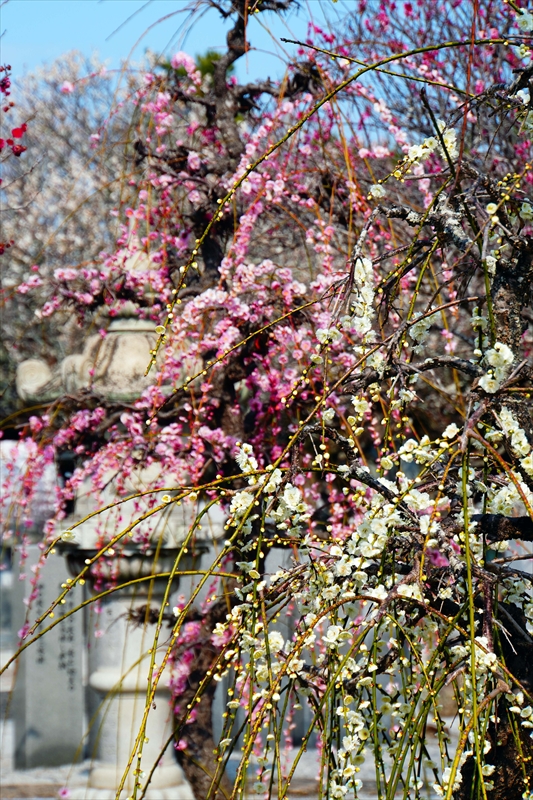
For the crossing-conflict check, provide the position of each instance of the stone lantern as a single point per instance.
(119, 660)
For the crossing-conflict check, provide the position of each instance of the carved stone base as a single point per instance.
(119, 665)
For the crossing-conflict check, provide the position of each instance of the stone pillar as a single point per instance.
(48, 697)
(118, 664)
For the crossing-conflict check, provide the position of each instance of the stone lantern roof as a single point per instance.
(113, 366)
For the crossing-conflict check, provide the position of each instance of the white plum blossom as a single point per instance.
(485, 658)
(327, 335)
(410, 590)
(449, 138)
(245, 458)
(361, 406)
(275, 641)
(240, 504)
(335, 635)
(420, 152)
(377, 191)
(489, 383)
(524, 20)
(527, 464)
(361, 305)
(500, 355)
(419, 330)
(292, 496)
(451, 431)
(406, 450)
(510, 426)
(500, 358)
(328, 415)
(274, 481)
(378, 592)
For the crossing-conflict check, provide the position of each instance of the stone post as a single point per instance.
(48, 696)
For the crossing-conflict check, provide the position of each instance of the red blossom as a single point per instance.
(18, 133)
(5, 246)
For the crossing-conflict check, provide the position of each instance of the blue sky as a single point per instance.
(37, 31)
